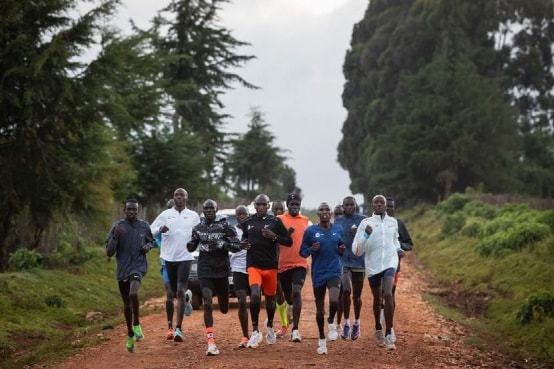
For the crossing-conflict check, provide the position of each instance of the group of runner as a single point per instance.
(268, 256)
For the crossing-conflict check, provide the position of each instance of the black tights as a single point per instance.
(255, 302)
(129, 294)
(319, 293)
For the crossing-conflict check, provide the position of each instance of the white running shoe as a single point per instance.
(380, 338)
(332, 334)
(254, 340)
(295, 336)
(322, 347)
(392, 335)
(389, 343)
(212, 350)
(270, 337)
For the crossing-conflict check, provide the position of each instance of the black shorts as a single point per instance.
(240, 280)
(292, 276)
(219, 286)
(178, 273)
(375, 280)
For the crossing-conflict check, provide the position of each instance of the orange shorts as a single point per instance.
(396, 278)
(266, 278)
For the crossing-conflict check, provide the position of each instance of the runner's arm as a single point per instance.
(404, 237)
(156, 224)
(232, 242)
(361, 241)
(282, 236)
(112, 242)
(194, 241)
(306, 245)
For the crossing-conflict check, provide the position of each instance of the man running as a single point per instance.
(261, 235)
(406, 244)
(278, 208)
(353, 271)
(215, 239)
(176, 226)
(292, 266)
(240, 276)
(377, 238)
(323, 242)
(129, 240)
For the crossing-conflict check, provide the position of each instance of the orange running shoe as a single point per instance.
(282, 331)
(169, 334)
(243, 342)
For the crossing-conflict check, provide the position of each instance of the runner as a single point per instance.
(278, 208)
(129, 240)
(169, 294)
(261, 235)
(240, 277)
(353, 271)
(323, 242)
(215, 238)
(337, 212)
(377, 238)
(406, 244)
(293, 267)
(176, 225)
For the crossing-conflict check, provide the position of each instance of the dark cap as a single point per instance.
(293, 196)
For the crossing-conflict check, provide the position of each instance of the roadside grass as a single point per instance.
(504, 292)
(42, 311)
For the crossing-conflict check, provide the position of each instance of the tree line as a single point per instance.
(443, 95)
(144, 116)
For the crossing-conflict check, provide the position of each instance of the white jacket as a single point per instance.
(175, 240)
(380, 248)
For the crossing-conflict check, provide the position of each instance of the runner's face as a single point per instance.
(241, 216)
(180, 199)
(278, 208)
(324, 213)
(209, 212)
(131, 211)
(261, 207)
(338, 211)
(294, 207)
(378, 205)
(390, 208)
(349, 206)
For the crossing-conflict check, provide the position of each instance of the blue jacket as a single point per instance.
(326, 261)
(345, 223)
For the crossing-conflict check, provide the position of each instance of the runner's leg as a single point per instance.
(334, 288)
(182, 284)
(375, 282)
(134, 286)
(240, 281)
(357, 287)
(124, 287)
(319, 294)
(298, 278)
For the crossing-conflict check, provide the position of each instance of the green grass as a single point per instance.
(507, 277)
(42, 311)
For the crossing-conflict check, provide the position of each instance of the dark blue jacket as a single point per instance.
(345, 223)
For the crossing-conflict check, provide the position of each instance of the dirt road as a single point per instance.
(425, 340)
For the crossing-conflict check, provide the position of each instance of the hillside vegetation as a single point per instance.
(495, 264)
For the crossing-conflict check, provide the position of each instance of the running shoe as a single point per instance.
(281, 332)
(270, 337)
(137, 329)
(255, 340)
(295, 336)
(355, 332)
(332, 334)
(392, 335)
(389, 344)
(169, 334)
(345, 332)
(188, 305)
(212, 349)
(178, 336)
(131, 344)
(322, 347)
(380, 338)
(243, 342)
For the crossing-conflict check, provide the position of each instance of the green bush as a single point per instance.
(536, 308)
(454, 203)
(513, 239)
(480, 209)
(71, 250)
(472, 228)
(547, 217)
(54, 301)
(453, 224)
(24, 259)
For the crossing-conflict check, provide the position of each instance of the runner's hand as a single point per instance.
(368, 230)
(118, 231)
(163, 229)
(315, 246)
(245, 245)
(291, 230)
(342, 248)
(268, 233)
(190, 246)
(401, 254)
(145, 248)
(212, 245)
(353, 229)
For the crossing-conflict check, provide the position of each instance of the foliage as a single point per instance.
(537, 307)
(54, 301)
(513, 238)
(453, 203)
(24, 259)
(453, 224)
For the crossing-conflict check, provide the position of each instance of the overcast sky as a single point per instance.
(300, 47)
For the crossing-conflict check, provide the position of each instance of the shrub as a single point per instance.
(24, 259)
(54, 301)
(472, 228)
(453, 224)
(547, 217)
(453, 204)
(71, 250)
(480, 209)
(514, 238)
(536, 308)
